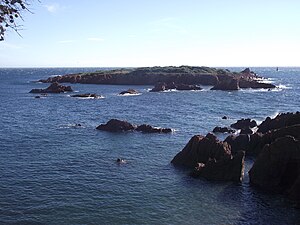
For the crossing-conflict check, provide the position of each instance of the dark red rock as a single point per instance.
(145, 128)
(254, 143)
(280, 121)
(223, 170)
(247, 70)
(53, 88)
(246, 130)
(187, 87)
(115, 125)
(159, 87)
(244, 123)
(180, 87)
(230, 84)
(88, 95)
(223, 130)
(129, 91)
(211, 158)
(277, 168)
(199, 149)
(246, 83)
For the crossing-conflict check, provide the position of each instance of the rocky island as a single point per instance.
(183, 78)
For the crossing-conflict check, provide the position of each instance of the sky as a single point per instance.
(133, 33)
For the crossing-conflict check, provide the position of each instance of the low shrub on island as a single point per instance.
(169, 77)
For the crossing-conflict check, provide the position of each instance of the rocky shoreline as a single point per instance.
(276, 146)
(181, 78)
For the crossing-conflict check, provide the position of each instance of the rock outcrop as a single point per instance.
(180, 87)
(53, 88)
(227, 85)
(88, 95)
(129, 92)
(115, 125)
(276, 146)
(150, 129)
(277, 168)
(244, 123)
(211, 159)
(223, 130)
(280, 121)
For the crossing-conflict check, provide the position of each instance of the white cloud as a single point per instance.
(95, 39)
(53, 8)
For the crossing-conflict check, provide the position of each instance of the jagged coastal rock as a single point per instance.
(211, 159)
(243, 124)
(280, 121)
(223, 130)
(227, 85)
(182, 76)
(53, 88)
(115, 125)
(276, 146)
(277, 168)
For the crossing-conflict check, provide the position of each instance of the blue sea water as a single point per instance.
(52, 172)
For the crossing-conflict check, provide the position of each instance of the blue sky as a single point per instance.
(102, 33)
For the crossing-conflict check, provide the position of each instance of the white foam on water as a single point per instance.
(127, 94)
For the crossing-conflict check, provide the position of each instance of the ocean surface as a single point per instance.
(54, 172)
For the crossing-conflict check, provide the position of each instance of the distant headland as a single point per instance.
(165, 77)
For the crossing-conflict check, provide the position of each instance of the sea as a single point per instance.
(53, 171)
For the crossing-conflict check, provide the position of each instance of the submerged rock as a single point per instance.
(53, 88)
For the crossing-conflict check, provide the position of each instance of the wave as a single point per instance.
(276, 89)
(265, 80)
(85, 98)
(130, 94)
(71, 125)
(282, 86)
